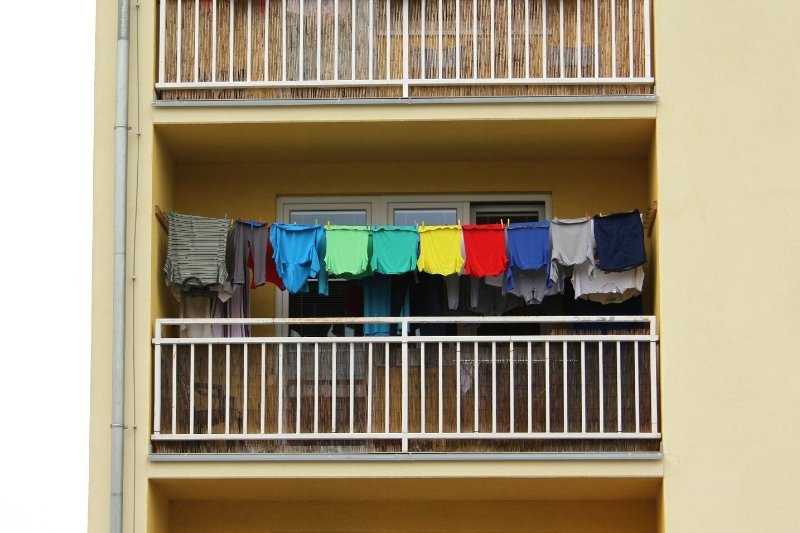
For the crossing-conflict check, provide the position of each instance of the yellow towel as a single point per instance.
(440, 250)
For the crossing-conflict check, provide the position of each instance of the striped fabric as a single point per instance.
(196, 251)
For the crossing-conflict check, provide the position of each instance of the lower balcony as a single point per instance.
(586, 384)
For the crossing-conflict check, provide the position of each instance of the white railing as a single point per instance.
(573, 379)
(274, 44)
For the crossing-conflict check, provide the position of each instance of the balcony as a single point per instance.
(402, 49)
(501, 384)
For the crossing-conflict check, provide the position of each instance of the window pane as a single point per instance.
(492, 213)
(488, 217)
(353, 217)
(431, 217)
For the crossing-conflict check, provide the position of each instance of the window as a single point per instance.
(494, 212)
(344, 296)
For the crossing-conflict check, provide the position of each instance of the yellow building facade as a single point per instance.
(699, 134)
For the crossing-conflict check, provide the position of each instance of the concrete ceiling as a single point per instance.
(469, 140)
(398, 489)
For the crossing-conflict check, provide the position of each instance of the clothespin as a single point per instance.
(508, 222)
(459, 221)
(328, 224)
(423, 224)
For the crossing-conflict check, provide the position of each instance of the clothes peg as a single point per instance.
(508, 222)
(459, 221)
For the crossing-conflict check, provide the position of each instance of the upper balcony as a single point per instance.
(402, 49)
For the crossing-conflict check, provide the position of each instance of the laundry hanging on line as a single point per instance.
(515, 257)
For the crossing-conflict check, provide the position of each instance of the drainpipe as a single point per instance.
(120, 214)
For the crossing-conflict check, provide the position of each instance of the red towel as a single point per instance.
(272, 271)
(485, 247)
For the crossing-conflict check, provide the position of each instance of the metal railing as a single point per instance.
(401, 44)
(566, 378)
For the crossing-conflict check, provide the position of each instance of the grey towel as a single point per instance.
(196, 251)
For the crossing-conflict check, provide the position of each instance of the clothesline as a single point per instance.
(648, 218)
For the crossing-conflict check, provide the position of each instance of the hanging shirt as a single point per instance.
(531, 285)
(529, 245)
(572, 242)
(488, 299)
(272, 270)
(249, 241)
(195, 306)
(528, 250)
(619, 239)
(299, 253)
(428, 298)
(440, 250)
(607, 287)
(395, 249)
(485, 247)
(348, 250)
(377, 303)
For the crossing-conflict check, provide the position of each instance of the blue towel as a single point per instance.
(528, 245)
(619, 241)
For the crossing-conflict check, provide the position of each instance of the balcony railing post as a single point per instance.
(405, 62)
(654, 428)
(162, 41)
(157, 383)
(646, 23)
(404, 379)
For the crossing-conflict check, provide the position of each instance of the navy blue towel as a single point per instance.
(619, 241)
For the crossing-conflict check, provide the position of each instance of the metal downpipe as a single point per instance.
(118, 309)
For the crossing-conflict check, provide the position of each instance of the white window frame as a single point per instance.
(380, 209)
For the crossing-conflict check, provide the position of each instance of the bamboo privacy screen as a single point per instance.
(398, 48)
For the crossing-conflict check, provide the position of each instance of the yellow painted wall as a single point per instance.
(578, 187)
(164, 304)
(158, 512)
(651, 235)
(634, 516)
(729, 195)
